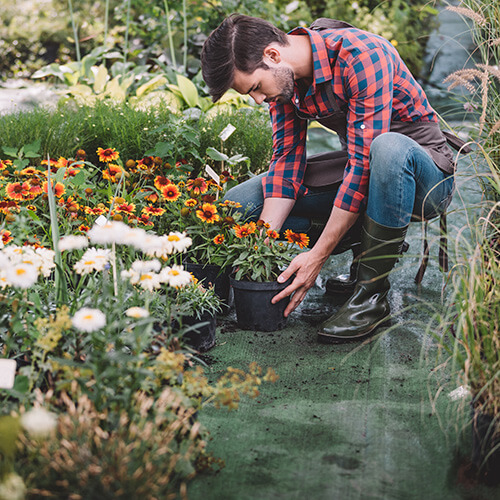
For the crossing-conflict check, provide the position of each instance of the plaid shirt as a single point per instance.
(372, 85)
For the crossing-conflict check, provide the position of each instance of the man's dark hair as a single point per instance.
(238, 43)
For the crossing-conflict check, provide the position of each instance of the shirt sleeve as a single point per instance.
(286, 170)
(368, 83)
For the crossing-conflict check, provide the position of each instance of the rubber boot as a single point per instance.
(368, 306)
(344, 284)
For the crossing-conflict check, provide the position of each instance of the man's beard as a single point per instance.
(285, 83)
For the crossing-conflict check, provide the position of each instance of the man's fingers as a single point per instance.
(296, 299)
(284, 293)
(287, 273)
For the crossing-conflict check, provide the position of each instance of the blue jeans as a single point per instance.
(405, 184)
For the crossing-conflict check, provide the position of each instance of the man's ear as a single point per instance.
(272, 54)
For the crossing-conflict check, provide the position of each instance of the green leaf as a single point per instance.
(188, 90)
(216, 155)
(10, 151)
(101, 78)
(32, 150)
(153, 84)
(79, 178)
(20, 164)
(21, 384)
(162, 149)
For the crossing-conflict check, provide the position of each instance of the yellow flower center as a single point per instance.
(145, 277)
(173, 237)
(174, 272)
(20, 271)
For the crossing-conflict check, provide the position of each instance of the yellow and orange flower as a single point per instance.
(94, 211)
(108, 154)
(5, 235)
(152, 197)
(125, 208)
(59, 189)
(83, 228)
(147, 165)
(271, 233)
(5, 164)
(18, 191)
(245, 230)
(112, 173)
(31, 207)
(7, 206)
(300, 239)
(153, 211)
(35, 187)
(231, 204)
(191, 202)
(70, 204)
(219, 239)
(161, 181)
(197, 186)
(144, 220)
(29, 171)
(208, 213)
(170, 192)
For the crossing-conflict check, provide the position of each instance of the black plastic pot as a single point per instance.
(486, 445)
(254, 310)
(201, 335)
(210, 274)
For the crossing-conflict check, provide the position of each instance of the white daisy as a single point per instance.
(47, 260)
(135, 237)
(137, 312)
(179, 241)
(175, 276)
(73, 242)
(111, 232)
(145, 266)
(149, 281)
(94, 259)
(21, 275)
(88, 320)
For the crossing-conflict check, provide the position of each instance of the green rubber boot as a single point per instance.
(368, 306)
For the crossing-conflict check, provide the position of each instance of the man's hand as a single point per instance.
(306, 267)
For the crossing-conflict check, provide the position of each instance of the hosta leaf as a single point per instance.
(188, 90)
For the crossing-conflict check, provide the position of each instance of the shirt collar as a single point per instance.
(322, 70)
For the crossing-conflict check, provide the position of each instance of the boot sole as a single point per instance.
(326, 338)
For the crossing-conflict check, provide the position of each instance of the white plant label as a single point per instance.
(7, 373)
(101, 220)
(226, 133)
(212, 173)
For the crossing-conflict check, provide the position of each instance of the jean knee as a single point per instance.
(387, 154)
(250, 195)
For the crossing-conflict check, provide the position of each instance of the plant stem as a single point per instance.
(170, 37)
(126, 38)
(75, 33)
(184, 15)
(106, 17)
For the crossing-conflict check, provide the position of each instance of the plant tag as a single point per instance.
(226, 133)
(212, 173)
(7, 372)
(101, 220)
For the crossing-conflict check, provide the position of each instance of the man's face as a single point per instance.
(273, 84)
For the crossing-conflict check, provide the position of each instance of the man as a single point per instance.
(397, 164)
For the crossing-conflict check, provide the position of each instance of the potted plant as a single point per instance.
(258, 258)
(197, 308)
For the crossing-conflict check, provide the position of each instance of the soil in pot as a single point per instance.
(254, 310)
(201, 332)
(210, 274)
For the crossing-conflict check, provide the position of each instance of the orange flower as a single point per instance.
(70, 204)
(18, 191)
(125, 208)
(62, 162)
(170, 192)
(300, 239)
(71, 172)
(83, 228)
(5, 163)
(273, 234)
(197, 186)
(153, 211)
(58, 188)
(191, 202)
(232, 204)
(31, 207)
(161, 181)
(144, 220)
(219, 239)
(208, 213)
(152, 197)
(35, 187)
(108, 154)
(5, 235)
(112, 173)
(7, 206)
(94, 211)
(147, 164)
(29, 171)
(245, 230)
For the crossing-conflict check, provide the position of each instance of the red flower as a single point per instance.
(170, 192)
(245, 230)
(6, 236)
(219, 239)
(108, 154)
(161, 181)
(18, 191)
(208, 213)
(153, 211)
(58, 188)
(272, 234)
(197, 186)
(83, 228)
(125, 208)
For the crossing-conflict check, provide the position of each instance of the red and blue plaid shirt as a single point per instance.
(372, 86)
